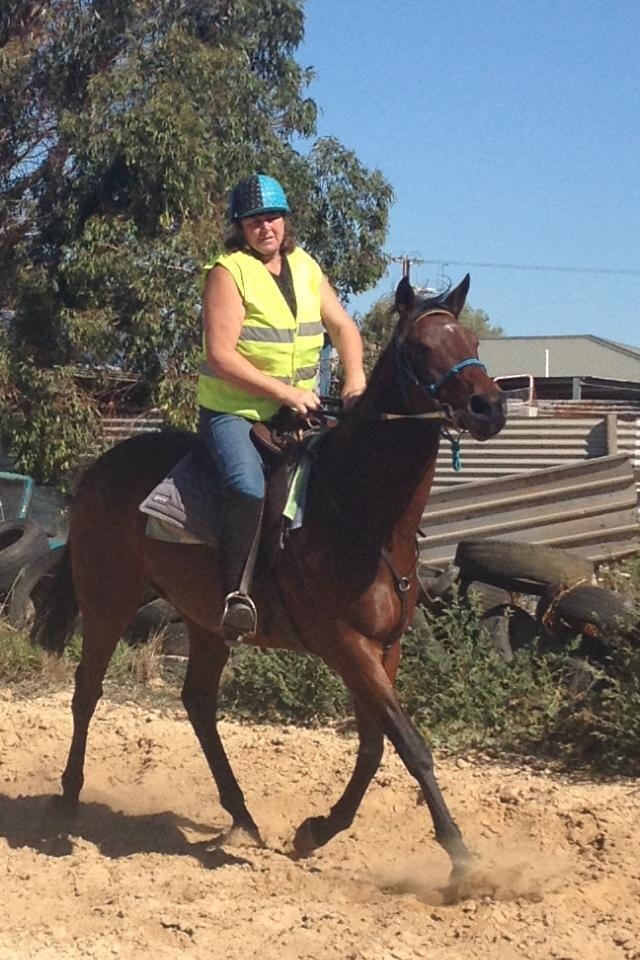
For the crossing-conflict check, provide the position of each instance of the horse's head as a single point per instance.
(438, 366)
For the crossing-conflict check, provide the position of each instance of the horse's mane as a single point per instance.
(422, 305)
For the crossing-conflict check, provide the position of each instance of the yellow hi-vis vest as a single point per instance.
(272, 339)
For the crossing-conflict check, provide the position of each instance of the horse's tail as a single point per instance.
(57, 613)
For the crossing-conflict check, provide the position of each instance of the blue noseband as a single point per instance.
(432, 388)
(408, 373)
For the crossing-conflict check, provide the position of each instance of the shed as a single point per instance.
(591, 366)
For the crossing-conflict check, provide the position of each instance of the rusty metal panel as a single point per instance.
(119, 428)
(590, 507)
(549, 407)
(629, 439)
(524, 444)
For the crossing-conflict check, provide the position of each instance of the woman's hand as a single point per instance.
(302, 401)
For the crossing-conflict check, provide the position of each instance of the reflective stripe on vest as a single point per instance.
(272, 339)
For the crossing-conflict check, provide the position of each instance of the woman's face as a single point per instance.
(264, 233)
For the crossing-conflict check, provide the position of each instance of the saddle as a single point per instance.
(184, 506)
(283, 442)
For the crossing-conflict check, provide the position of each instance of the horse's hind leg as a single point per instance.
(100, 638)
(316, 831)
(207, 657)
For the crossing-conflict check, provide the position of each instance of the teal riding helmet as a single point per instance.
(257, 194)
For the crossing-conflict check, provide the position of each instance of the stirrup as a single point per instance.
(239, 617)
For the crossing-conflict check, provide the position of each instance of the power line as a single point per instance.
(525, 266)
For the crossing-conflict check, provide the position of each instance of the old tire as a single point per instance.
(521, 567)
(21, 542)
(509, 628)
(594, 612)
(30, 588)
(484, 596)
(152, 618)
(175, 640)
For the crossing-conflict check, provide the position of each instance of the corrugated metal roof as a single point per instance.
(571, 356)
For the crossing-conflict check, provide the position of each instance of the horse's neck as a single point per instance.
(381, 470)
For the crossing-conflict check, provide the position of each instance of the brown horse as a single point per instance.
(344, 586)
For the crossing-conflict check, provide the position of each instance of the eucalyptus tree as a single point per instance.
(124, 123)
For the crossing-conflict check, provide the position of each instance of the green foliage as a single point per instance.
(125, 124)
(624, 577)
(46, 420)
(599, 718)
(176, 397)
(377, 327)
(478, 321)
(19, 660)
(281, 686)
(461, 693)
(23, 663)
(346, 216)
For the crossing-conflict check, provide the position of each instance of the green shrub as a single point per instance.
(600, 721)
(280, 686)
(454, 685)
(19, 660)
(461, 693)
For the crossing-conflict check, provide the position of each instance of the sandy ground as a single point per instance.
(148, 870)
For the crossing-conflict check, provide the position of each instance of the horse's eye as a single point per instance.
(421, 350)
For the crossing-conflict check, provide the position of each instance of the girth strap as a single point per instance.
(403, 586)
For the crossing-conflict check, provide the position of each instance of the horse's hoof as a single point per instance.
(468, 881)
(243, 835)
(304, 842)
(54, 827)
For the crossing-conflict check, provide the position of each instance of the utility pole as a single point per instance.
(406, 260)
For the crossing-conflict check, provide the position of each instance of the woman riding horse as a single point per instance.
(266, 305)
(343, 587)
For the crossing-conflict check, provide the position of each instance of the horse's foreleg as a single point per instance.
(207, 657)
(316, 831)
(418, 759)
(365, 676)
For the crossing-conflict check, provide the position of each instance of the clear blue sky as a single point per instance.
(510, 132)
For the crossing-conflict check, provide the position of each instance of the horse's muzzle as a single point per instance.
(483, 416)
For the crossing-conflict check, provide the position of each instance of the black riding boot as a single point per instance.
(240, 525)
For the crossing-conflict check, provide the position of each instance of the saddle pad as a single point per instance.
(185, 505)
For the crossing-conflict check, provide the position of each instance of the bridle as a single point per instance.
(407, 374)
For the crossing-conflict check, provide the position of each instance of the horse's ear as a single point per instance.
(405, 297)
(455, 299)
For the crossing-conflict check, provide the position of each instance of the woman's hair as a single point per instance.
(234, 238)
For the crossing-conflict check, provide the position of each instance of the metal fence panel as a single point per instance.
(589, 507)
(523, 445)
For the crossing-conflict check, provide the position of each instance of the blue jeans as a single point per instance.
(237, 460)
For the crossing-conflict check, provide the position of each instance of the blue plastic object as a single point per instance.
(16, 491)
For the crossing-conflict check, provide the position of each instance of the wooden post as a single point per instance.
(612, 433)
